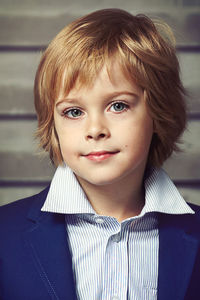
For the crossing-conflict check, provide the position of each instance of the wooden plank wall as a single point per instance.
(25, 28)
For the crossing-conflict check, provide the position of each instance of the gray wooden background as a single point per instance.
(28, 26)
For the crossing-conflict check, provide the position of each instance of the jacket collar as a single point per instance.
(46, 240)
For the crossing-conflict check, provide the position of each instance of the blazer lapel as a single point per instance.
(46, 240)
(177, 253)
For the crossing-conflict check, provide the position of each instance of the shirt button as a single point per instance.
(99, 220)
(116, 239)
(115, 298)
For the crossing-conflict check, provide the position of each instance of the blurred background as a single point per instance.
(26, 27)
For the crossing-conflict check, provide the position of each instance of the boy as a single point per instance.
(111, 225)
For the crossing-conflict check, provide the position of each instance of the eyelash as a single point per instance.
(70, 110)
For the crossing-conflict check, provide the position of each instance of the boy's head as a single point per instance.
(146, 55)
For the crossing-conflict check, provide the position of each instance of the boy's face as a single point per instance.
(104, 130)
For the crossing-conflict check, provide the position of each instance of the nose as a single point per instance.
(97, 129)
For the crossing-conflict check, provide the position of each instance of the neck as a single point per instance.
(121, 201)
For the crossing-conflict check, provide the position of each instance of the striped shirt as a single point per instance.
(113, 260)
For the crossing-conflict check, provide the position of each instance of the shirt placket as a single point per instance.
(115, 283)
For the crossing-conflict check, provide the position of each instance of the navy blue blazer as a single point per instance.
(35, 260)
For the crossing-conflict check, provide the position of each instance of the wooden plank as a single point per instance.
(11, 194)
(190, 68)
(17, 136)
(61, 5)
(183, 166)
(190, 195)
(24, 167)
(186, 165)
(16, 82)
(29, 27)
(18, 67)
(16, 99)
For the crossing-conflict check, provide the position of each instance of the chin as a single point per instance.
(98, 180)
(101, 181)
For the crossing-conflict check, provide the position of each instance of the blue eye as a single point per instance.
(119, 106)
(73, 113)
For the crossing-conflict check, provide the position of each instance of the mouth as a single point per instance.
(100, 155)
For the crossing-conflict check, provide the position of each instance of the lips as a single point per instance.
(100, 155)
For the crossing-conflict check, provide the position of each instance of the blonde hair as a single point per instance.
(146, 53)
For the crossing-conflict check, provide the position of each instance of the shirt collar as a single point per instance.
(161, 195)
(67, 197)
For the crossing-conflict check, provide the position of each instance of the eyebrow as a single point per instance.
(108, 96)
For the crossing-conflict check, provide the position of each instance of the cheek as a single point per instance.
(66, 144)
(65, 141)
(139, 138)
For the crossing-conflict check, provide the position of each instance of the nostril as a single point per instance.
(98, 134)
(89, 137)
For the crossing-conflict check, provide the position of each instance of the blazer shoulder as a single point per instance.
(15, 213)
(193, 220)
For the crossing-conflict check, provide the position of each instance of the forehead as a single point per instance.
(111, 76)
